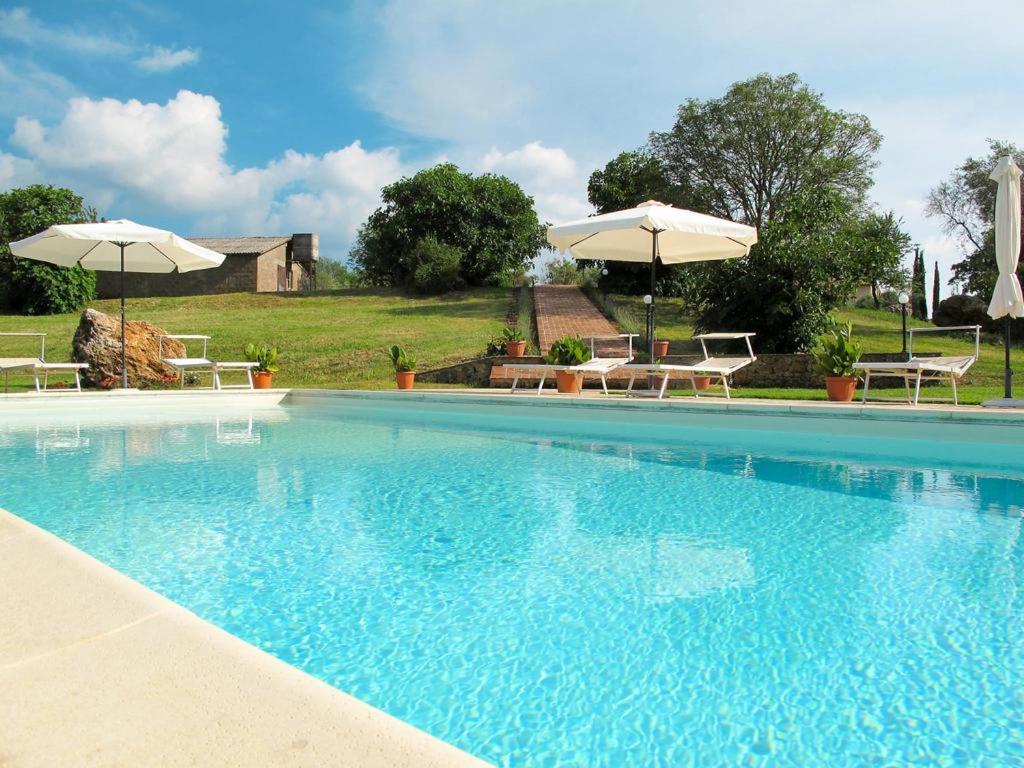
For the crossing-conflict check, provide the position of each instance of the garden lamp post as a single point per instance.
(904, 300)
(604, 284)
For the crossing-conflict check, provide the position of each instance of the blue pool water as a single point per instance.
(539, 600)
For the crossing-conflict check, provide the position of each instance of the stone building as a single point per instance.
(252, 264)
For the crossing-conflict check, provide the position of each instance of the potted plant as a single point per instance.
(515, 341)
(405, 367)
(265, 358)
(568, 350)
(660, 348)
(835, 355)
(700, 383)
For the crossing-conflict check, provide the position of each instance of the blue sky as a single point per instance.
(220, 118)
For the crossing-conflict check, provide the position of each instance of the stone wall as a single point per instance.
(474, 373)
(237, 274)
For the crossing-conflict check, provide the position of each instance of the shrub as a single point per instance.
(263, 355)
(31, 287)
(40, 289)
(836, 351)
(437, 267)
(563, 271)
(568, 350)
(961, 310)
(400, 360)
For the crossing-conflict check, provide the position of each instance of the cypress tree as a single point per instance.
(935, 289)
(918, 291)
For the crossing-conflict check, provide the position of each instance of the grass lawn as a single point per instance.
(337, 339)
(334, 340)
(879, 332)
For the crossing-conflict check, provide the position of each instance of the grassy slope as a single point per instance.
(327, 340)
(879, 332)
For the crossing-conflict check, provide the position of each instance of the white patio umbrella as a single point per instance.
(1006, 298)
(653, 232)
(117, 246)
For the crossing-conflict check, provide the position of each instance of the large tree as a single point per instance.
(743, 156)
(965, 204)
(876, 248)
(807, 262)
(626, 181)
(771, 153)
(487, 218)
(32, 287)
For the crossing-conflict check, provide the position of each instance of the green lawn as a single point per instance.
(337, 339)
(327, 340)
(879, 332)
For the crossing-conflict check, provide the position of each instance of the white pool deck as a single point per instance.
(98, 670)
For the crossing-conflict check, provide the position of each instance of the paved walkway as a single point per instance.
(564, 310)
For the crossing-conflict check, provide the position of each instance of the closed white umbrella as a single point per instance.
(1006, 298)
(117, 246)
(653, 232)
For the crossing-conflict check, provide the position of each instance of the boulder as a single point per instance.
(97, 342)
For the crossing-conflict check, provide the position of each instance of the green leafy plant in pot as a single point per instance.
(265, 357)
(835, 354)
(515, 341)
(568, 351)
(405, 366)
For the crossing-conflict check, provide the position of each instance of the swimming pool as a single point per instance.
(579, 586)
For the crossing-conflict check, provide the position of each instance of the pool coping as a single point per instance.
(100, 670)
(881, 411)
(878, 411)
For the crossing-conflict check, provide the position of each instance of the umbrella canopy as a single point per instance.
(98, 246)
(683, 236)
(1007, 299)
(651, 232)
(117, 246)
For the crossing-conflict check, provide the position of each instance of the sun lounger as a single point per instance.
(720, 368)
(37, 365)
(599, 366)
(183, 365)
(918, 369)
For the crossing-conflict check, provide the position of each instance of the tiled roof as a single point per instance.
(244, 246)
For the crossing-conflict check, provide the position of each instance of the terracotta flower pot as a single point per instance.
(568, 382)
(700, 383)
(660, 348)
(262, 379)
(840, 388)
(515, 348)
(405, 379)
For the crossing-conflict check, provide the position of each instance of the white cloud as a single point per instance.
(548, 174)
(19, 24)
(15, 171)
(30, 89)
(166, 59)
(152, 161)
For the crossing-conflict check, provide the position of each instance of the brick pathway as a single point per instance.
(563, 310)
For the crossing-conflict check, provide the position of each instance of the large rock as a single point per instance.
(98, 343)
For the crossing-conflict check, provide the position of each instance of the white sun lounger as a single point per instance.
(918, 369)
(38, 364)
(720, 368)
(183, 365)
(599, 366)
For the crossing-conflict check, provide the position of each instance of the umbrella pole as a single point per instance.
(124, 357)
(1007, 373)
(650, 307)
